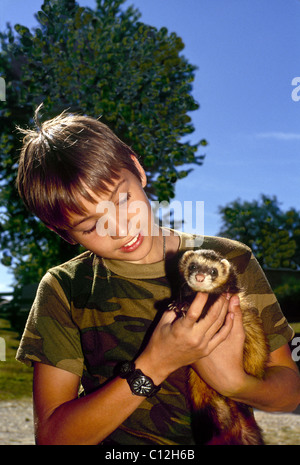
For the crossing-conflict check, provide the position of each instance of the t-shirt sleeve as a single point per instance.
(50, 335)
(259, 291)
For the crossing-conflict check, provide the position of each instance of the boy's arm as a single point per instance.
(279, 391)
(63, 418)
(223, 370)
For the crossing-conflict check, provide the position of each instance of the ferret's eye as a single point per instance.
(214, 272)
(192, 267)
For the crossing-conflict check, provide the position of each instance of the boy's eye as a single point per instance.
(123, 198)
(89, 231)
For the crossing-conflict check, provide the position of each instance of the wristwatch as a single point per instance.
(140, 384)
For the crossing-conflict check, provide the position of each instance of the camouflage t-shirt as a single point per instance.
(86, 320)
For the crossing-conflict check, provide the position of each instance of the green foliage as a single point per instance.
(273, 235)
(288, 294)
(101, 62)
(289, 288)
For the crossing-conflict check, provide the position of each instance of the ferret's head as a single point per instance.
(205, 270)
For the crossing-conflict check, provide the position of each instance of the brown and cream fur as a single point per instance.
(217, 419)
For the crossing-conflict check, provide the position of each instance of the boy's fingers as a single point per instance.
(195, 310)
(221, 335)
(234, 306)
(167, 317)
(235, 309)
(216, 316)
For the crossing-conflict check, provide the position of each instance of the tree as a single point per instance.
(101, 62)
(273, 235)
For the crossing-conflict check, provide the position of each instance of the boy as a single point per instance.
(107, 306)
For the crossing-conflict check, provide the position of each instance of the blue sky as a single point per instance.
(247, 53)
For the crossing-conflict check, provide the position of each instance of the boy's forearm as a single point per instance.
(279, 391)
(90, 419)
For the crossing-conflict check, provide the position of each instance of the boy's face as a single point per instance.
(120, 225)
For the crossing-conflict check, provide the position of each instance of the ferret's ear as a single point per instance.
(226, 262)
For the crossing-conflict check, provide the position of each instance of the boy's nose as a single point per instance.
(121, 231)
(129, 222)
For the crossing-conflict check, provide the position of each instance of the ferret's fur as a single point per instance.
(217, 419)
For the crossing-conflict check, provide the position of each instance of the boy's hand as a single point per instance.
(223, 367)
(180, 342)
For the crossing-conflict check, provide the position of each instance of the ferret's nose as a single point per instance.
(200, 277)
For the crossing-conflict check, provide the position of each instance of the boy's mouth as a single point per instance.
(133, 244)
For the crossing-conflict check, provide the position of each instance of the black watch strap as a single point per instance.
(126, 369)
(140, 384)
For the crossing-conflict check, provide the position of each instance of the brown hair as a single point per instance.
(63, 158)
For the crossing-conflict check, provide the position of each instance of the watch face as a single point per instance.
(142, 386)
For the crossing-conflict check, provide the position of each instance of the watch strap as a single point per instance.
(126, 369)
(139, 383)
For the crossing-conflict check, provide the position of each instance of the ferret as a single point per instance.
(217, 419)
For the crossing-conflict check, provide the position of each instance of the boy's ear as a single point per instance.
(140, 170)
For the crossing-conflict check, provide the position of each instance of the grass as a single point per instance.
(15, 377)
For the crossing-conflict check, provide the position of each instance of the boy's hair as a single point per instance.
(64, 158)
